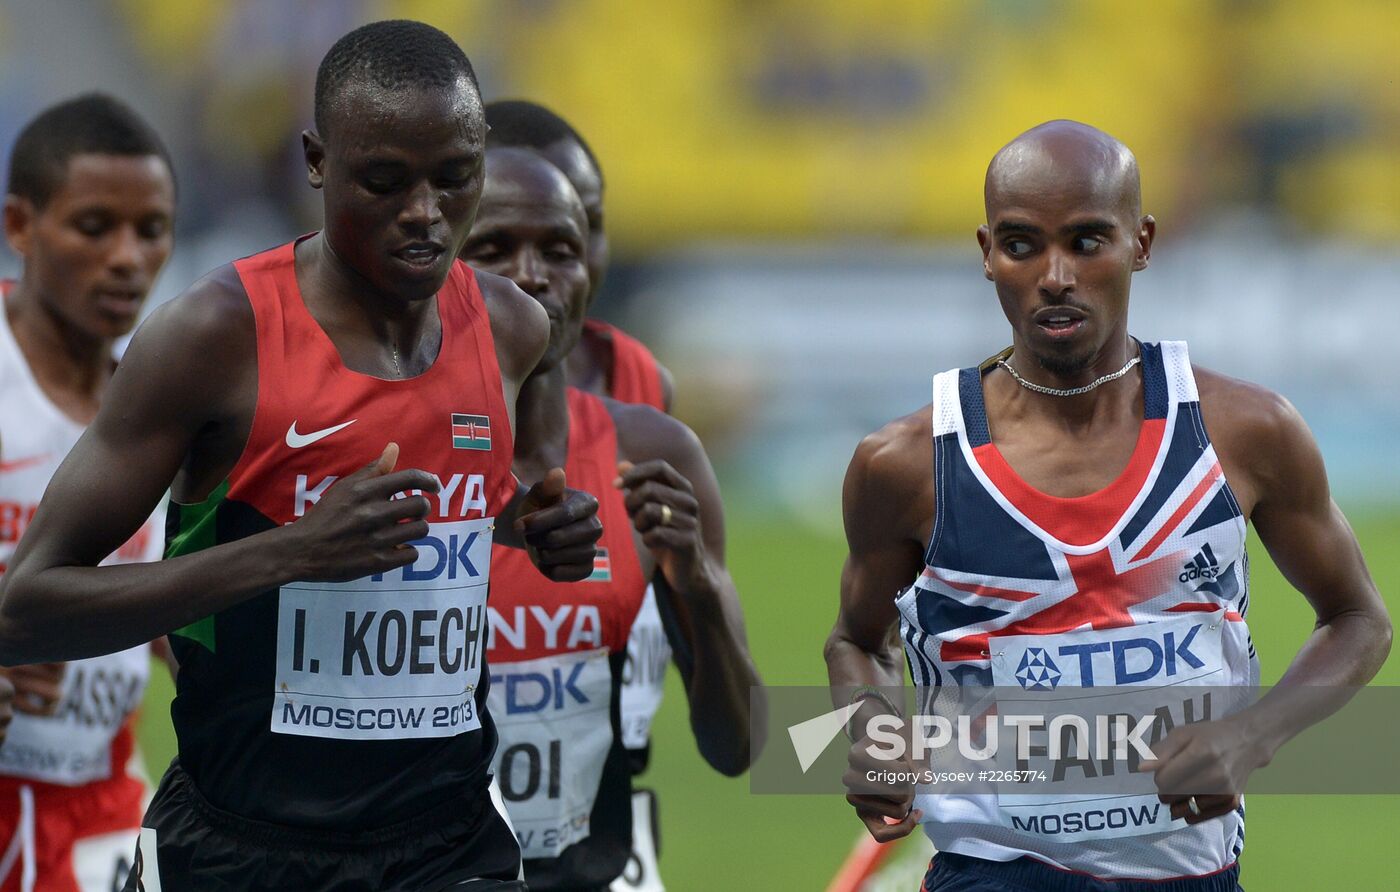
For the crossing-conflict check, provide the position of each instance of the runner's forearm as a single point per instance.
(69, 613)
(850, 666)
(708, 639)
(1342, 654)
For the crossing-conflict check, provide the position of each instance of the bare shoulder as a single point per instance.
(897, 454)
(189, 374)
(505, 299)
(1263, 442)
(668, 386)
(519, 325)
(645, 433)
(889, 484)
(1241, 412)
(209, 326)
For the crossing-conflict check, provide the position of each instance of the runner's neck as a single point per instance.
(71, 367)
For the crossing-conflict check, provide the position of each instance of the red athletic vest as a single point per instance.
(633, 376)
(557, 652)
(353, 705)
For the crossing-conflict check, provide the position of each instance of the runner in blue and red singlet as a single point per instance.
(1066, 510)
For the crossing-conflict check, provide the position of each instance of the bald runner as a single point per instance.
(1092, 489)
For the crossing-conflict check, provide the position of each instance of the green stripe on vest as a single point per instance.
(197, 532)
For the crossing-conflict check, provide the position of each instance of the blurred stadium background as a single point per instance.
(792, 193)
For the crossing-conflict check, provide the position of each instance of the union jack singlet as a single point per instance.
(1024, 590)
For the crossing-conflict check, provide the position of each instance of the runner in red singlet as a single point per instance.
(327, 608)
(89, 207)
(557, 655)
(607, 360)
(615, 363)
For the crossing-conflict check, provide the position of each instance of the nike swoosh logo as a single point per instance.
(296, 440)
(19, 463)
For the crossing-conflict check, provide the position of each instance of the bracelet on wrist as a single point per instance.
(869, 691)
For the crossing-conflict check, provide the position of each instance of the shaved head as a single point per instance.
(512, 170)
(1064, 159)
(1064, 234)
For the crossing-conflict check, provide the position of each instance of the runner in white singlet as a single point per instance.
(90, 199)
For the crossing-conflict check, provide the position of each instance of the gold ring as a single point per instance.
(666, 515)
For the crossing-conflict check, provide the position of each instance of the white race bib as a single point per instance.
(553, 718)
(74, 745)
(1165, 664)
(644, 675)
(392, 656)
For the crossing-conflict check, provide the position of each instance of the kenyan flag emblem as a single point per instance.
(602, 567)
(471, 432)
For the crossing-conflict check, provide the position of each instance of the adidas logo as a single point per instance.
(1202, 566)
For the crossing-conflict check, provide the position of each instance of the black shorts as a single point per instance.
(188, 845)
(960, 873)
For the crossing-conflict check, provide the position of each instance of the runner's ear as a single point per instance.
(18, 213)
(314, 150)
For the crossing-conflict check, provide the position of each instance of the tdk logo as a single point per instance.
(527, 692)
(445, 555)
(1202, 566)
(1127, 661)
